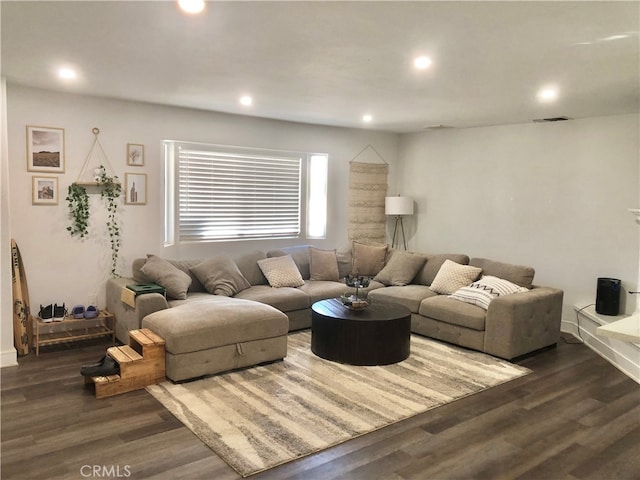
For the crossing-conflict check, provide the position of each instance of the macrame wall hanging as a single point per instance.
(367, 191)
(96, 163)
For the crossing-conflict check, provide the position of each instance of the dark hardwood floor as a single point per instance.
(575, 417)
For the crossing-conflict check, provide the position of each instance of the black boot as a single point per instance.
(108, 366)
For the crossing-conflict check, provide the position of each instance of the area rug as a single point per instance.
(264, 416)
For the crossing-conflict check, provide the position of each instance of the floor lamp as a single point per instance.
(398, 207)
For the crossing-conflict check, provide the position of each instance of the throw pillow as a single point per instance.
(175, 281)
(323, 264)
(281, 271)
(401, 269)
(221, 276)
(481, 292)
(368, 258)
(452, 276)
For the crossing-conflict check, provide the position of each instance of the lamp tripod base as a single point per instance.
(395, 233)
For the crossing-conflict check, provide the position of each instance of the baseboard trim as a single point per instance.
(9, 358)
(614, 351)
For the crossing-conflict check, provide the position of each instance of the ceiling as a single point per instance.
(332, 62)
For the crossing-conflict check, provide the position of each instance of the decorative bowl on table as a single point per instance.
(352, 302)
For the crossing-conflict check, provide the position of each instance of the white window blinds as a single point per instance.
(226, 193)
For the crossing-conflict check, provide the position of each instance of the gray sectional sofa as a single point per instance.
(224, 313)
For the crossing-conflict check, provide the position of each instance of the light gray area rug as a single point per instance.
(264, 416)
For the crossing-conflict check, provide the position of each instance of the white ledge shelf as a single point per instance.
(627, 329)
(621, 327)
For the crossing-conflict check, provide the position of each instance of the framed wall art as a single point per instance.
(135, 155)
(45, 149)
(44, 190)
(135, 185)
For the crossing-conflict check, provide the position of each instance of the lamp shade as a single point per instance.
(398, 205)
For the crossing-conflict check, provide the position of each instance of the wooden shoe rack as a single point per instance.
(141, 364)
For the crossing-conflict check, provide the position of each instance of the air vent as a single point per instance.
(551, 119)
(438, 127)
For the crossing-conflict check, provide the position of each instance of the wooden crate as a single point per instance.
(141, 364)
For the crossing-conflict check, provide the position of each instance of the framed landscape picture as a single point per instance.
(135, 188)
(45, 149)
(44, 190)
(135, 155)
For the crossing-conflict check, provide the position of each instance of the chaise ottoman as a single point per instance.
(205, 337)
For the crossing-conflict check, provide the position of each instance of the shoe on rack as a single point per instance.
(59, 312)
(46, 313)
(78, 311)
(91, 312)
(108, 366)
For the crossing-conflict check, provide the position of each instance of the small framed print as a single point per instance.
(135, 185)
(44, 190)
(135, 155)
(45, 149)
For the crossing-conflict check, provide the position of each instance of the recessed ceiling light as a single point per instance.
(191, 6)
(246, 100)
(422, 63)
(67, 73)
(548, 94)
(367, 118)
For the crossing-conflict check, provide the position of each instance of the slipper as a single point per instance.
(78, 311)
(91, 312)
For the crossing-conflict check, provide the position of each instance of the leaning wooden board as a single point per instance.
(22, 323)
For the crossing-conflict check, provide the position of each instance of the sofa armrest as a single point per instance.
(128, 318)
(523, 322)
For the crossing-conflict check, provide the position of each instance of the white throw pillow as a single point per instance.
(481, 292)
(281, 271)
(452, 276)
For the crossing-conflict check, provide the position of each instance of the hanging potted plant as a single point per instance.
(78, 201)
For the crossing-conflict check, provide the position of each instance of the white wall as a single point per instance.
(553, 196)
(7, 351)
(65, 269)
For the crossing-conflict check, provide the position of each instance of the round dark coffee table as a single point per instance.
(378, 335)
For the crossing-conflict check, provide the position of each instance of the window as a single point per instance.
(216, 192)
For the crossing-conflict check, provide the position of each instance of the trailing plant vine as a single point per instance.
(78, 201)
(111, 190)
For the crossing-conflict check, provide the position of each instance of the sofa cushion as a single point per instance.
(221, 276)
(215, 322)
(300, 255)
(452, 311)
(401, 268)
(321, 290)
(453, 276)
(345, 263)
(184, 265)
(430, 269)
(368, 258)
(281, 272)
(323, 264)
(248, 266)
(410, 295)
(518, 274)
(284, 299)
(175, 281)
(482, 291)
